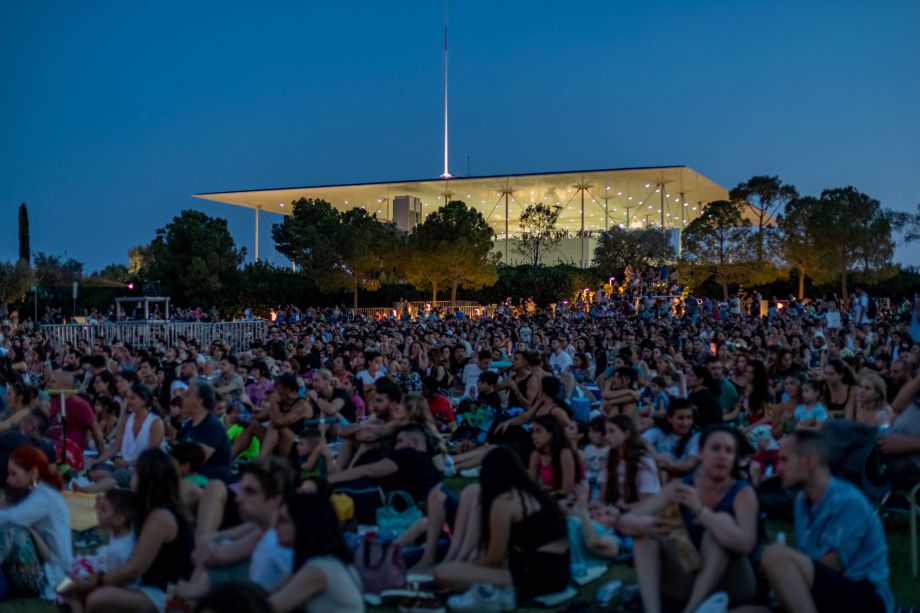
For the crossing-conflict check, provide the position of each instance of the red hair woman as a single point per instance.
(35, 546)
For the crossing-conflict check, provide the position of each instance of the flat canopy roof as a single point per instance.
(675, 192)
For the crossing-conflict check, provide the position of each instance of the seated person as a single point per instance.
(676, 449)
(713, 519)
(409, 468)
(840, 561)
(438, 404)
(32, 430)
(250, 550)
(372, 439)
(287, 412)
(314, 459)
(323, 578)
(811, 414)
(554, 464)
(523, 536)
(329, 400)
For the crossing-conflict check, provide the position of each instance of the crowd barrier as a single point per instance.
(238, 334)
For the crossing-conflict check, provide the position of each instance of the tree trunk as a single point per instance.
(845, 297)
(453, 293)
(801, 283)
(355, 302)
(434, 293)
(724, 289)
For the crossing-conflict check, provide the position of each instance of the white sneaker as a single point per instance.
(482, 598)
(717, 603)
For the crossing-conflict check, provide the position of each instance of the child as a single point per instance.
(189, 458)
(595, 455)
(485, 388)
(236, 420)
(351, 387)
(811, 414)
(314, 457)
(116, 511)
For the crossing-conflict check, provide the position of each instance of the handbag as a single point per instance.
(390, 522)
(380, 565)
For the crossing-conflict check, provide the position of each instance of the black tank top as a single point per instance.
(174, 560)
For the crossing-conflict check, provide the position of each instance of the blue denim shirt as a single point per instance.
(843, 521)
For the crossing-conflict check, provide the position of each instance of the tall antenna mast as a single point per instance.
(446, 174)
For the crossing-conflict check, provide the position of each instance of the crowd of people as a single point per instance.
(483, 464)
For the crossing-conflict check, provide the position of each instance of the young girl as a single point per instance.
(594, 456)
(116, 511)
(811, 414)
(676, 449)
(783, 419)
(553, 463)
(632, 475)
(352, 388)
(660, 401)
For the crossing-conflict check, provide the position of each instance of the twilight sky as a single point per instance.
(113, 113)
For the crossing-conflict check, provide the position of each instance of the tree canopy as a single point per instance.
(618, 248)
(717, 246)
(338, 250)
(25, 244)
(458, 240)
(15, 281)
(539, 235)
(193, 257)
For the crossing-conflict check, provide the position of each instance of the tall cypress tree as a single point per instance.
(25, 248)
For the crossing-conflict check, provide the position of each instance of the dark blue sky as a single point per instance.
(112, 115)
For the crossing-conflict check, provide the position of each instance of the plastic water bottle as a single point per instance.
(608, 591)
(883, 420)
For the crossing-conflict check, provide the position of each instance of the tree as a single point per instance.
(423, 263)
(25, 248)
(618, 248)
(138, 259)
(53, 271)
(117, 273)
(799, 219)
(854, 234)
(765, 197)
(539, 235)
(350, 250)
(460, 240)
(15, 281)
(194, 257)
(716, 245)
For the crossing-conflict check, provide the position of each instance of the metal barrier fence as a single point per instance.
(238, 334)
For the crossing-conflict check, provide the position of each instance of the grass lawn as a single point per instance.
(906, 589)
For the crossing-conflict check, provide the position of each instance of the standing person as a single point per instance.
(840, 562)
(162, 554)
(42, 512)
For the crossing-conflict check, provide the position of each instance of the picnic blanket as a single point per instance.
(82, 509)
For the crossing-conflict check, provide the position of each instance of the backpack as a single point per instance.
(872, 309)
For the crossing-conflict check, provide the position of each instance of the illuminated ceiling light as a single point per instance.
(281, 204)
(667, 195)
(694, 208)
(346, 202)
(630, 198)
(657, 190)
(685, 204)
(593, 200)
(379, 200)
(619, 193)
(568, 207)
(608, 188)
(482, 202)
(439, 197)
(648, 185)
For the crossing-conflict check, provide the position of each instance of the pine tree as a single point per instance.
(25, 248)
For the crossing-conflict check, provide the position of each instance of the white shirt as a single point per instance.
(343, 588)
(271, 563)
(470, 377)
(559, 362)
(46, 512)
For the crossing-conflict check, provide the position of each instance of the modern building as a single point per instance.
(590, 201)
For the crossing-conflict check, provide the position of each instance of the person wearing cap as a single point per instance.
(141, 430)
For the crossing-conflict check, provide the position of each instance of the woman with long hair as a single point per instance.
(872, 407)
(756, 394)
(713, 519)
(163, 553)
(703, 393)
(676, 446)
(20, 397)
(632, 474)
(323, 577)
(839, 396)
(621, 394)
(35, 546)
(554, 464)
(142, 429)
(523, 536)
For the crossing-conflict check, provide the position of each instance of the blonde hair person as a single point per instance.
(872, 408)
(418, 413)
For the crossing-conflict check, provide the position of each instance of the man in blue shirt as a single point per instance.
(841, 558)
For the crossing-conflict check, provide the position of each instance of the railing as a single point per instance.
(238, 334)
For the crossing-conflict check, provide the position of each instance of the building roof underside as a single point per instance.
(644, 192)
